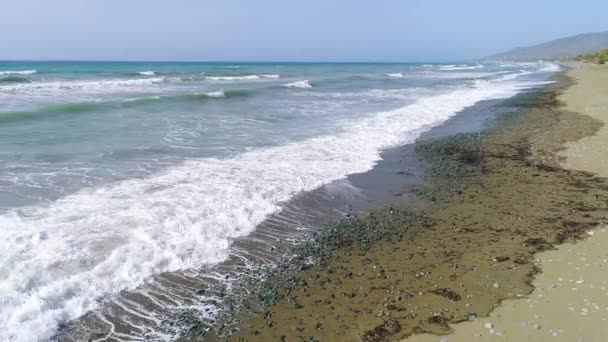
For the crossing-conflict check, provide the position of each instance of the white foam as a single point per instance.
(515, 75)
(550, 67)
(144, 98)
(58, 260)
(374, 94)
(299, 84)
(454, 75)
(215, 94)
(90, 85)
(233, 78)
(18, 72)
(460, 67)
(398, 75)
(147, 73)
(242, 78)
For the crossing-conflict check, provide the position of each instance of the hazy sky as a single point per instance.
(320, 30)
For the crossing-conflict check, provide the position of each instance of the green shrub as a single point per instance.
(599, 58)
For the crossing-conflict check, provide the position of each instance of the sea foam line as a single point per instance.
(97, 84)
(242, 78)
(299, 84)
(18, 72)
(460, 67)
(58, 260)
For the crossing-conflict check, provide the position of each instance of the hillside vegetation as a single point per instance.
(564, 48)
(599, 57)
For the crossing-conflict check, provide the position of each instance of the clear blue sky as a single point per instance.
(319, 30)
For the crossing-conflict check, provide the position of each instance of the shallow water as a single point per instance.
(115, 173)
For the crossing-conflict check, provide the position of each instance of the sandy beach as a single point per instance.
(570, 299)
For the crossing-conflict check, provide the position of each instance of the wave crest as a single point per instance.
(84, 84)
(18, 72)
(242, 78)
(299, 84)
(460, 67)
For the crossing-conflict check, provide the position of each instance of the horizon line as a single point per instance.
(229, 61)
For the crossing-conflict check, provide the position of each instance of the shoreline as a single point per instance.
(569, 301)
(459, 258)
(218, 289)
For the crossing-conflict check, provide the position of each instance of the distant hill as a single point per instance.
(557, 49)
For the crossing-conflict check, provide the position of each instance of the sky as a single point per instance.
(284, 30)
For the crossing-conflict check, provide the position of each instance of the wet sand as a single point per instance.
(570, 300)
(493, 201)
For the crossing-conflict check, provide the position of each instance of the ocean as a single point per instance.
(124, 185)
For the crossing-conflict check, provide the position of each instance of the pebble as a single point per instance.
(443, 339)
(496, 285)
(488, 325)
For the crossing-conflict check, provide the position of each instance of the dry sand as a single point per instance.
(570, 300)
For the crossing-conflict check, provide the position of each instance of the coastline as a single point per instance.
(495, 199)
(208, 297)
(569, 301)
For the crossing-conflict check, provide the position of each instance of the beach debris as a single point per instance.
(471, 317)
(539, 244)
(447, 293)
(382, 331)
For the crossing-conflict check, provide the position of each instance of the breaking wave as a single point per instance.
(299, 84)
(242, 78)
(18, 72)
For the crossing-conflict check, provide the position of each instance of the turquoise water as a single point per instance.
(114, 172)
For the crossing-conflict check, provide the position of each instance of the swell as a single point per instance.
(65, 109)
(15, 79)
